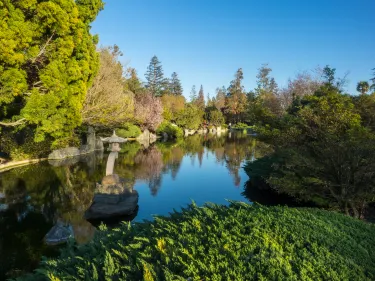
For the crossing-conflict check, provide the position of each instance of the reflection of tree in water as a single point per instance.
(36, 196)
(166, 157)
(149, 167)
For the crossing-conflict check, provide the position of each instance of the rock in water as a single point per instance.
(91, 139)
(105, 206)
(64, 153)
(59, 234)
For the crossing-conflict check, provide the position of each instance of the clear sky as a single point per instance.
(206, 41)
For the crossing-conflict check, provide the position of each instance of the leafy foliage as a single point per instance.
(215, 117)
(170, 130)
(172, 104)
(128, 130)
(323, 157)
(48, 60)
(239, 242)
(107, 104)
(190, 118)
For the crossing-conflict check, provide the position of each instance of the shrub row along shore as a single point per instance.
(215, 242)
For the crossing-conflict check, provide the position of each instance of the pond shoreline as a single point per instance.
(15, 164)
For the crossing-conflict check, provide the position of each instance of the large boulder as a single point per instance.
(105, 206)
(64, 153)
(114, 197)
(145, 136)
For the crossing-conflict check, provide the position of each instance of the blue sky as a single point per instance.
(206, 41)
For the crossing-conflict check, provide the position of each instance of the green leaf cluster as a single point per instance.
(47, 62)
(172, 131)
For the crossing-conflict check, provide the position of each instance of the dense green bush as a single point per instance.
(129, 130)
(239, 242)
(20, 145)
(170, 130)
(241, 126)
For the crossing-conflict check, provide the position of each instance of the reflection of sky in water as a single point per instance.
(210, 182)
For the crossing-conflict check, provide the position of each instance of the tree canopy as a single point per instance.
(48, 61)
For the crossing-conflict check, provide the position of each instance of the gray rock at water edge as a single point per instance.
(85, 149)
(59, 234)
(105, 206)
(64, 153)
(145, 136)
(65, 162)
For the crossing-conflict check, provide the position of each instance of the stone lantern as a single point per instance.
(114, 142)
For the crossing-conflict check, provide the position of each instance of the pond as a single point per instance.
(166, 176)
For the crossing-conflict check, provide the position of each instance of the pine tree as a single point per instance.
(220, 98)
(200, 100)
(236, 97)
(175, 85)
(155, 77)
(193, 94)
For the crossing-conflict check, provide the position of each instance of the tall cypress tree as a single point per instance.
(200, 101)
(175, 85)
(155, 77)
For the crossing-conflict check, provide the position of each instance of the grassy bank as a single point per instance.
(239, 242)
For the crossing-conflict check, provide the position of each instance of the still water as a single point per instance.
(166, 176)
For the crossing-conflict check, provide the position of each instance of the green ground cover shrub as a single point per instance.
(172, 131)
(240, 126)
(239, 242)
(128, 130)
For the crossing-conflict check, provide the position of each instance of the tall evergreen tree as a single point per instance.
(267, 90)
(155, 77)
(200, 100)
(175, 85)
(236, 97)
(193, 94)
(265, 83)
(220, 98)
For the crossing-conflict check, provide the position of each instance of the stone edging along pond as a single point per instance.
(14, 164)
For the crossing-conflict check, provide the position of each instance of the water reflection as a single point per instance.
(158, 178)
